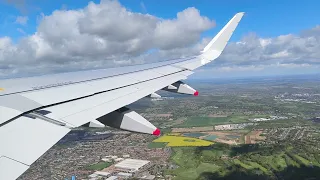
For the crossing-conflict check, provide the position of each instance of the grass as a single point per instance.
(290, 161)
(183, 159)
(206, 154)
(157, 145)
(256, 165)
(246, 166)
(193, 161)
(302, 160)
(189, 164)
(99, 166)
(176, 141)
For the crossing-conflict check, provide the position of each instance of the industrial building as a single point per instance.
(112, 178)
(148, 177)
(98, 174)
(131, 165)
(124, 175)
(101, 173)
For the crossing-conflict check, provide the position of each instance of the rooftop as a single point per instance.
(101, 173)
(132, 164)
(112, 178)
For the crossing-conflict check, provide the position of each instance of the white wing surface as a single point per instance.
(36, 112)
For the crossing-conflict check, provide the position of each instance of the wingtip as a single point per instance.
(240, 14)
(218, 43)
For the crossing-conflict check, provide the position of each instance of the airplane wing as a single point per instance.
(36, 112)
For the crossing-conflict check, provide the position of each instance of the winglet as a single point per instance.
(219, 42)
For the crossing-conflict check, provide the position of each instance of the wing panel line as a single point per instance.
(15, 160)
(186, 59)
(27, 112)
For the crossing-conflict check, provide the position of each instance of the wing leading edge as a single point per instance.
(35, 113)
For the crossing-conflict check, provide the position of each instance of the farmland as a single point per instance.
(99, 166)
(196, 121)
(176, 141)
(262, 162)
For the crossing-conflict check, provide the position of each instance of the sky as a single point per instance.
(43, 37)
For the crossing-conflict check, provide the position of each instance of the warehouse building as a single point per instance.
(124, 175)
(112, 178)
(131, 165)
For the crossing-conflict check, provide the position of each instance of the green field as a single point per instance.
(157, 145)
(244, 161)
(99, 166)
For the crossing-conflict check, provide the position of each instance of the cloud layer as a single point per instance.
(107, 34)
(297, 49)
(100, 35)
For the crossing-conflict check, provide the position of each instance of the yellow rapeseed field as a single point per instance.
(174, 141)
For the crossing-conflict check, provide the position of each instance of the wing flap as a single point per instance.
(11, 169)
(7, 113)
(25, 139)
(68, 109)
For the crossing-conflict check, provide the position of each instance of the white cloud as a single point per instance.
(101, 34)
(252, 68)
(107, 34)
(21, 31)
(298, 49)
(22, 20)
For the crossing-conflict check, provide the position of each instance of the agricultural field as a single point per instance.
(179, 141)
(288, 161)
(210, 121)
(99, 166)
(157, 145)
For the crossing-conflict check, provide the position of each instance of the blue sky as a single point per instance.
(267, 19)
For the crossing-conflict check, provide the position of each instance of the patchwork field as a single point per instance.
(212, 120)
(179, 141)
(202, 138)
(99, 166)
(265, 161)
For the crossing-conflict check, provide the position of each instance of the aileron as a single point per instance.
(7, 166)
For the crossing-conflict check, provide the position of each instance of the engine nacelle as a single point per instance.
(129, 120)
(182, 88)
(154, 95)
